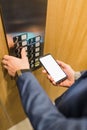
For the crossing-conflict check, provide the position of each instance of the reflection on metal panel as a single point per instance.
(24, 15)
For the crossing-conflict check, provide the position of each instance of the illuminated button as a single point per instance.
(24, 43)
(37, 64)
(23, 37)
(37, 44)
(37, 38)
(37, 49)
(37, 54)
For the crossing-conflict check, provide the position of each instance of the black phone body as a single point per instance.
(53, 68)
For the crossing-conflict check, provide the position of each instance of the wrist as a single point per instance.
(77, 75)
(20, 72)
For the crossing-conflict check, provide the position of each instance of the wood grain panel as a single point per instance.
(66, 31)
(66, 36)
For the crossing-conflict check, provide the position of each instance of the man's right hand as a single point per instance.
(70, 75)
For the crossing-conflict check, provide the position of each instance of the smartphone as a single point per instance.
(53, 68)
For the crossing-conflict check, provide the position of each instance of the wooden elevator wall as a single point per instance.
(65, 37)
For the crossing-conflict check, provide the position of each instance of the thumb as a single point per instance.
(23, 53)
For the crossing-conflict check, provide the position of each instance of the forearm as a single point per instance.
(36, 103)
(40, 110)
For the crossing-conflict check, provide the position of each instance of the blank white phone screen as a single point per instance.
(53, 68)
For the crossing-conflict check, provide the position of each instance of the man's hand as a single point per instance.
(70, 75)
(13, 64)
